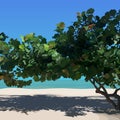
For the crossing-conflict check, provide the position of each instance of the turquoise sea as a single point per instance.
(60, 83)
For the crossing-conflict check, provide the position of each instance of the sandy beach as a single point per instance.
(54, 104)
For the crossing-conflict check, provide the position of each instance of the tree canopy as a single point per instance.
(89, 47)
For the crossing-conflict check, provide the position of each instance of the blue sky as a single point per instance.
(20, 17)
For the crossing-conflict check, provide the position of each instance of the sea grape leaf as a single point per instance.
(90, 11)
(46, 47)
(22, 47)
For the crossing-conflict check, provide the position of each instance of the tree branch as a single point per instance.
(116, 91)
(104, 92)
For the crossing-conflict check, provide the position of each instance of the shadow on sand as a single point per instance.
(72, 106)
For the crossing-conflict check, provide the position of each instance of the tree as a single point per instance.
(92, 44)
(8, 62)
(90, 47)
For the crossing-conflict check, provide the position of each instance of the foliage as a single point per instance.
(90, 47)
(92, 44)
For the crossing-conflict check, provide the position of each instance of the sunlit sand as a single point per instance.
(55, 104)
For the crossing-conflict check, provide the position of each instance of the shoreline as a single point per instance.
(52, 91)
(55, 104)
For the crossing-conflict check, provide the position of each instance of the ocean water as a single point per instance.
(60, 83)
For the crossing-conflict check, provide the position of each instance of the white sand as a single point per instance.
(54, 104)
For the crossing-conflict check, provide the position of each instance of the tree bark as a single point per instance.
(108, 96)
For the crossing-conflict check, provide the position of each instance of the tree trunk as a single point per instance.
(108, 96)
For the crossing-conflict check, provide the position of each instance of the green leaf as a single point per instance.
(4, 47)
(22, 37)
(46, 47)
(24, 61)
(2, 58)
(45, 56)
(77, 75)
(22, 47)
(101, 51)
(39, 48)
(36, 78)
(3, 36)
(51, 44)
(90, 18)
(76, 68)
(90, 11)
(14, 43)
(49, 65)
(29, 37)
(112, 12)
(61, 25)
(55, 55)
(64, 62)
(86, 28)
(65, 73)
(78, 14)
(83, 13)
